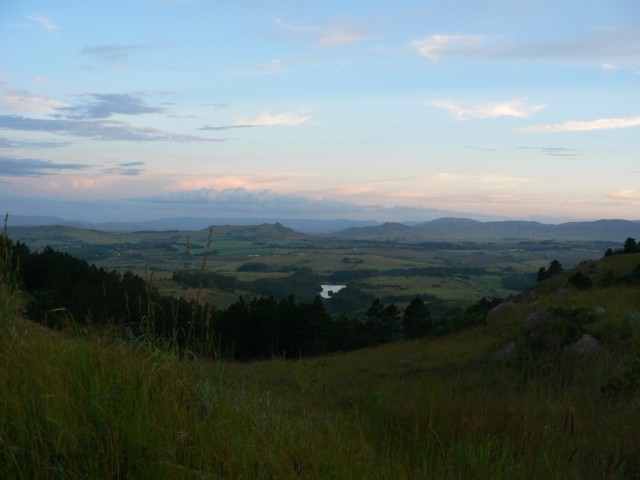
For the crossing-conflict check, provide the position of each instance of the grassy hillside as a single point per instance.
(105, 407)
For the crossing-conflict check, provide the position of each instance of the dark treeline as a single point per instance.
(197, 279)
(302, 284)
(67, 291)
(630, 246)
(436, 271)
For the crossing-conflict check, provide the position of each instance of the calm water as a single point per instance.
(330, 288)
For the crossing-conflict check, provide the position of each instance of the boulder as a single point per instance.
(509, 353)
(505, 308)
(535, 321)
(585, 346)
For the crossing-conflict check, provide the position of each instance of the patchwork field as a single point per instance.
(392, 269)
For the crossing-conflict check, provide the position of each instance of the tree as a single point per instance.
(580, 281)
(391, 326)
(630, 246)
(554, 269)
(416, 320)
(382, 323)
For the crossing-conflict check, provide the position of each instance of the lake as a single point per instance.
(327, 289)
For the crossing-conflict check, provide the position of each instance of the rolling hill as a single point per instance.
(461, 229)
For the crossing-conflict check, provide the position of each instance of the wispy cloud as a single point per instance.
(584, 125)
(269, 68)
(334, 35)
(603, 47)
(518, 108)
(223, 127)
(626, 196)
(21, 101)
(112, 52)
(29, 167)
(555, 151)
(105, 105)
(269, 120)
(491, 179)
(44, 22)
(266, 120)
(7, 143)
(127, 169)
(97, 129)
(441, 45)
(234, 201)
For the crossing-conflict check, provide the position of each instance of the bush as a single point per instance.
(254, 267)
(580, 281)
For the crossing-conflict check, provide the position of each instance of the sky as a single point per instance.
(382, 110)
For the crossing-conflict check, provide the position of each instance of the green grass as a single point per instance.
(441, 408)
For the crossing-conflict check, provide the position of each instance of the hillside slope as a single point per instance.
(448, 407)
(472, 230)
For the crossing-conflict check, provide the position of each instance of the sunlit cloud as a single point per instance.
(265, 120)
(245, 181)
(21, 101)
(441, 45)
(44, 22)
(626, 196)
(494, 180)
(518, 108)
(584, 125)
(38, 79)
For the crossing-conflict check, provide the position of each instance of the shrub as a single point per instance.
(580, 281)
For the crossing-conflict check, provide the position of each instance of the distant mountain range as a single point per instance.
(193, 223)
(464, 228)
(448, 228)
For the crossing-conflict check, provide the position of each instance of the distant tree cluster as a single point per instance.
(196, 279)
(554, 269)
(580, 281)
(630, 246)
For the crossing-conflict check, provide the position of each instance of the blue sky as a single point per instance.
(381, 110)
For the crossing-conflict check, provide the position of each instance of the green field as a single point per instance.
(225, 249)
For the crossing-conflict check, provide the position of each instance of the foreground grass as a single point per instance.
(441, 408)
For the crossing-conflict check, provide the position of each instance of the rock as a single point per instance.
(585, 346)
(505, 308)
(634, 316)
(529, 297)
(508, 353)
(599, 310)
(535, 321)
